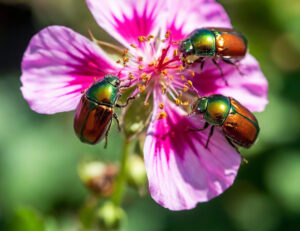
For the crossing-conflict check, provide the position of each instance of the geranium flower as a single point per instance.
(59, 64)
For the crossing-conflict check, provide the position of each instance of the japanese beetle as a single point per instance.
(238, 123)
(214, 43)
(96, 108)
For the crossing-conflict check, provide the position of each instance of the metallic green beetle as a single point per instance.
(239, 125)
(96, 108)
(213, 43)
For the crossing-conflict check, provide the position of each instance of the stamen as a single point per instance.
(179, 94)
(161, 106)
(177, 101)
(118, 61)
(185, 103)
(130, 75)
(152, 63)
(150, 37)
(141, 87)
(140, 58)
(192, 73)
(125, 60)
(189, 82)
(180, 68)
(166, 60)
(142, 39)
(141, 67)
(125, 52)
(163, 89)
(167, 35)
(145, 77)
(182, 77)
(133, 45)
(146, 104)
(185, 88)
(175, 52)
(162, 115)
(164, 72)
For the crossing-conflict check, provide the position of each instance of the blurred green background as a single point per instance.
(39, 154)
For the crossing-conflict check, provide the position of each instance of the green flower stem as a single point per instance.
(122, 177)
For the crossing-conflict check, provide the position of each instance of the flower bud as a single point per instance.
(110, 216)
(136, 172)
(99, 177)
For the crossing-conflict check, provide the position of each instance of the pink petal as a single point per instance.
(181, 171)
(250, 89)
(183, 18)
(126, 20)
(57, 65)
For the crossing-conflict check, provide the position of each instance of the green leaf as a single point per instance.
(27, 219)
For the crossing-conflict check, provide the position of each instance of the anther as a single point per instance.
(125, 60)
(146, 104)
(185, 103)
(179, 94)
(162, 115)
(180, 68)
(167, 35)
(142, 39)
(141, 87)
(130, 75)
(164, 72)
(163, 89)
(152, 63)
(118, 61)
(145, 77)
(161, 106)
(150, 37)
(189, 82)
(125, 52)
(141, 67)
(192, 73)
(177, 101)
(185, 88)
(140, 58)
(133, 45)
(182, 77)
(175, 53)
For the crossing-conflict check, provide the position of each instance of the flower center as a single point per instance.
(155, 64)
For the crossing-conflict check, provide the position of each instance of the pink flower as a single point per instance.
(59, 63)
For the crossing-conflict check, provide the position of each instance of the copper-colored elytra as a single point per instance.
(241, 125)
(231, 45)
(96, 121)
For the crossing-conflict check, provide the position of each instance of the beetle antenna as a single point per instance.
(102, 71)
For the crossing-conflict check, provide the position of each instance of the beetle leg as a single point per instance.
(118, 122)
(126, 86)
(230, 142)
(106, 136)
(220, 69)
(198, 129)
(228, 61)
(202, 62)
(127, 101)
(209, 136)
